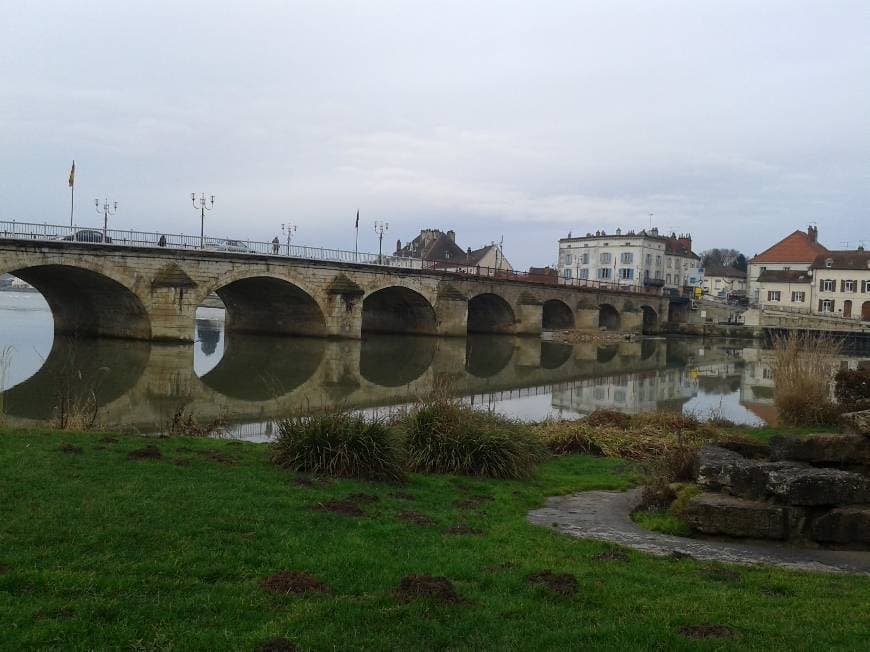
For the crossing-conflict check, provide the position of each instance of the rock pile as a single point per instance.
(814, 488)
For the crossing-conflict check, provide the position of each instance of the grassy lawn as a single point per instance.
(100, 551)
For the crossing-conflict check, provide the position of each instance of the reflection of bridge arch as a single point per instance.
(88, 301)
(490, 313)
(555, 354)
(487, 356)
(397, 309)
(78, 372)
(263, 368)
(269, 305)
(650, 319)
(557, 315)
(393, 362)
(608, 317)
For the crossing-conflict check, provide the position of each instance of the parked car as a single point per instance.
(88, 235)
(228, 245)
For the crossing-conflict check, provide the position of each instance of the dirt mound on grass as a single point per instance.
(150, 452)
(426, 587)
(71, 449)
(462, 528)
(276, 645)
(350, 506)
(708, 631)
(293, 582)
(416, 518)
(472, 502)
(217, 457)
(611, 555)
(561, 583)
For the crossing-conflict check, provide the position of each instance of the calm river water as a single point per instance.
(250, 381)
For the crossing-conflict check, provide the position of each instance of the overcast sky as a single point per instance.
(736, 120)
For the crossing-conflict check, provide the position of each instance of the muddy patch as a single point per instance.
(71, 449)
(472, 502)
(150, 452)
(350, 506)
(611, 555)
(438, 590)
(293, 583)
(416, 518)
(463, 529)
(708, 631)
(560, 583)
(276, 645)
(217, 457)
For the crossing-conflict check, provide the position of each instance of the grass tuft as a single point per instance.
(803, 368)
(341, 444)
(447, 436)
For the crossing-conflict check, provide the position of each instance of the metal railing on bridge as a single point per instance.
(28, 231)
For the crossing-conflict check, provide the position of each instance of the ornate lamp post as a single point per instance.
(288, 229)
(202, 208)
(380, 227)
(106, 209)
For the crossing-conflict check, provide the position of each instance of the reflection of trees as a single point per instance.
(209, 334)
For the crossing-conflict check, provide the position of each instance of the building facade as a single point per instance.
(795, 252)
(641, 259)
(724, 282)
(842, 284)
(785, 288)
(440, 249)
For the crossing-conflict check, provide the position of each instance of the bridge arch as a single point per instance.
(397, 309)
(650, 319)
(490, 313)
(89, 302)
(268, 305)
(609, 317)
(557, 315)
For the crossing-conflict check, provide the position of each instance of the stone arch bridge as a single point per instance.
(148, 293)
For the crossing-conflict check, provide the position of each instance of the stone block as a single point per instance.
(737, 517)
(822, 449)
(724, 470)
(856, 423)
(747, 448)
(843, 525)
(812, 486)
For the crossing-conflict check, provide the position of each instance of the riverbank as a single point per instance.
(119, 541)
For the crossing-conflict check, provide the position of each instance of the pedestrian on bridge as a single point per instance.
(276, 245)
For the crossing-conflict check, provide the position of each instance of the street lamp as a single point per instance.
(107, 209)
(202, 208)
(289, 230)
(380, 227)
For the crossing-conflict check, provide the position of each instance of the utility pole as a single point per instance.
(107, 209)
(380, 227)
(203, 207)
(288, 229)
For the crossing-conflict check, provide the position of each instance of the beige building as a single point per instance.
(795, 252)
(779, 288)
(724, 282)
(842, 284)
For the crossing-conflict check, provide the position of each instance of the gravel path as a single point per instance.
(604, 516)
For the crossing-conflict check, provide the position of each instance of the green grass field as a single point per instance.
(101, 551)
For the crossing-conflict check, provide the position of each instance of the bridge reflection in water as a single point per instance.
(252, 380)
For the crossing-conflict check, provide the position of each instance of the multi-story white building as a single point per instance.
(643, 259)
(841, 284)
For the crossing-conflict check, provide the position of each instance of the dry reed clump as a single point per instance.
(184, 424)
(803, 369)
(659, 436)
(445, 435)
(340, 443)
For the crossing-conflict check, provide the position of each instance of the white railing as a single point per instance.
(116, 237)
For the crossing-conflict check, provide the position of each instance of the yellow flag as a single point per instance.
(72, 175)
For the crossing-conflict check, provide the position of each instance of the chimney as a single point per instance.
(813, 233)
(452, 235)
(685, 241)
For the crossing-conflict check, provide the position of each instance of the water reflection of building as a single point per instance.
(208, 332)
(631, 394)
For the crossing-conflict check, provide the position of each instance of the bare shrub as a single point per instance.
(803, 369)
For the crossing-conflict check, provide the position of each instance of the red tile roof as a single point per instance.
(797, 247)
